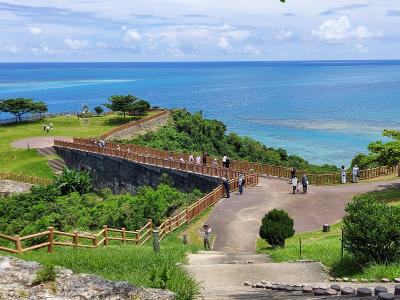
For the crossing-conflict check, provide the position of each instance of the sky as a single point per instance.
(198, 30)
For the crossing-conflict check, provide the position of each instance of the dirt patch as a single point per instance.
(38, 142)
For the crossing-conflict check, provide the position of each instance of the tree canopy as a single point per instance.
(128, 104)
(20, 106)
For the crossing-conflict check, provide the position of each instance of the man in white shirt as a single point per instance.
(224, 161)
(355, 173)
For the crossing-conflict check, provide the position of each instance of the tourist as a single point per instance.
(343, 174)
(225, 182)
(118, 147)
(355, 173)
(292, 172)
(170, 158)
(241, 182)
(44, 127)
(214, 163)
(51, 125)
(298, 187)
(207, 237)
(294, 184)
(198, 160)
(227, 163)
(224, 158)
(47, 128)
(191, 158)
(205, 154)
(304, 182)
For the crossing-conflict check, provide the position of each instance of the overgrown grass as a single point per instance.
(326, 248)
(28, 162)
(137, 264)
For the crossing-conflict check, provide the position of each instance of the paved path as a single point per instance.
(39, 142)
(236, 221)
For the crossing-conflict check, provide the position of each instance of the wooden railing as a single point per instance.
(135, 123)
(244, 166)
(129, 152)
(51, 237)
(24, 178)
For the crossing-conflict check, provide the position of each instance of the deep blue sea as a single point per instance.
(323, 111)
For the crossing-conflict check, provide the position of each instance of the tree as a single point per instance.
(20, 106)
(98, 110)
(139, 108)
(121, 103)
(276, 227)
(371, 230)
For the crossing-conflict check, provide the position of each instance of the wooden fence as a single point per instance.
(142, 121)
(24, 178)
(51, 237)
(244, 166)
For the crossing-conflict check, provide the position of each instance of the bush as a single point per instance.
(98, 110)
(45, 274)
(371, 230)
(276, 227)
(73, 181)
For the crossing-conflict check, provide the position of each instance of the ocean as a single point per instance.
(323, 111)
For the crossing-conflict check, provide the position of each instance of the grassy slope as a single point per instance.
(326, 247)
(28, 162)
(130, 263)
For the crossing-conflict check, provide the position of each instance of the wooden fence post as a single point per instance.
(105, 235)
(18, 245)
(94, 241)
(75, 239)
(187, 216)
(156, 241)
(51, 240)
(123, 233)
(151, 223)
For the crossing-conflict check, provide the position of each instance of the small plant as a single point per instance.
(45, 274)
(276, 227)
(98, 110)
(159, 279)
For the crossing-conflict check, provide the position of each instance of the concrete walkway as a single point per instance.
(236, 221)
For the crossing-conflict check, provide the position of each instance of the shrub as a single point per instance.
(98, 110)
(371, 230)
(45, 274)
(276, 227)
(73, 181)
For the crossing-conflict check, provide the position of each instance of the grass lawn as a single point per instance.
(28, 162)
(136, 264)
(326, 248)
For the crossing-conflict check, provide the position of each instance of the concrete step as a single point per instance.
(46, 151)
(221, 258)
(57, 165)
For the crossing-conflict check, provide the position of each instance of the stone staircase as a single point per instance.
(222, 275)
(57, 164)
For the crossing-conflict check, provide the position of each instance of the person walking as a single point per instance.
(44, 127)
(198, 160)
(214, 163)
(191, 158)
(205, 154)
(207, 237)
(241, 182)
(343, 174)
(224, 161)
(355, 173)
(292, 172)
(294, 184)
(228, 162)
(304, 182)
(47, 128)
(51, 125)
(225, 182)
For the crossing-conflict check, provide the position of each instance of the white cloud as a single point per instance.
(251, 50)
(131, 35)
(337, 30)
(101, 45)
(10, 48)
(176, 52)
(76, 44)
(43, 49)
(360, 48)
(223, 43)
(35, 30)
(285, 35)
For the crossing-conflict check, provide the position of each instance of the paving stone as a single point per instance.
(386, 296)
(364, 292)
(339, 280)
(332, 279)
(259, 285)
(345, 279)
(385, 280)
(364, 280)
(380, 289)
(307, 289)
(298, 288)
(397, 280)
(336, 287)
(268, 286)
(397, 289)
(331, 292)
(319, 292)
(247, 283)
(263, 282)
(354, 280)
(281, 287)
(275, 287)
(348, 291)
(288, 288)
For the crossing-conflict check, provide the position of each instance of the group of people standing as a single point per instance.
(297, 184)
(47, 128)
(355, 172)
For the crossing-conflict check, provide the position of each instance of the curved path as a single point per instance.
(39, 142)
(236, 221)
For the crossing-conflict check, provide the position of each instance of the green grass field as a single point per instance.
(139, 265)
(326, 248)
(28, 162)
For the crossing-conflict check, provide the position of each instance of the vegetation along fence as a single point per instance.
(244, 166)
(139, 122)
(52, 237)
(24, 178)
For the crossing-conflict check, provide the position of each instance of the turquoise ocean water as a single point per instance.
(323, 111)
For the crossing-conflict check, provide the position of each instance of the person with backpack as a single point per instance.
(355, 173)
(304, 182)
(241, 182)
(227, 163)
(343, 174)
(225, 182)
